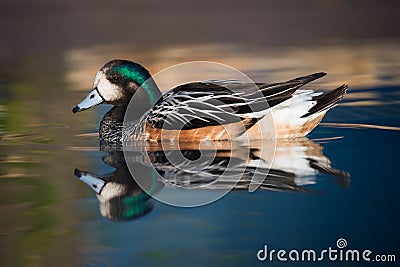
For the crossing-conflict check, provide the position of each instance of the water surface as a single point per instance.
(50, 217)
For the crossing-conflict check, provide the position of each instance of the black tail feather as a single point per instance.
(278, 92)
(327, 101)
(309, 78)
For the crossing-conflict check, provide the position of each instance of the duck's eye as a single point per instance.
(115, 78)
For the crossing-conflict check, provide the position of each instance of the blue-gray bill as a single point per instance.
(91, 180)
(93, 99)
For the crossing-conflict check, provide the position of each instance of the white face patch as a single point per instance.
(109, 91)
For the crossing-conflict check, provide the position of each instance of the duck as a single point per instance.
(206, 110)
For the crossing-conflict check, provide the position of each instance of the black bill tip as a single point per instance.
(76, 109)
(77, 173)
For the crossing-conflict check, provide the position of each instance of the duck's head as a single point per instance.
(115, 83)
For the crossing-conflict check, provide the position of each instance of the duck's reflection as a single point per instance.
(293, 167)
(120, 197)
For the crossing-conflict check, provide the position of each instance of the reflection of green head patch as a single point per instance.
(135, 206)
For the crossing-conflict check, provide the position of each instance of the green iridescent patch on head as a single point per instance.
(133, 72)
(136, 75)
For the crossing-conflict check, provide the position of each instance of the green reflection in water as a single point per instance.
(37, 223)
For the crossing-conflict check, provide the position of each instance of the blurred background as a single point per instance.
(49, 53)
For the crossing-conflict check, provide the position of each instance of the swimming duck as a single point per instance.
(216, 110)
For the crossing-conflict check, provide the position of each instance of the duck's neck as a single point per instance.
(152, 91)
(117, 113)
(111, 125)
